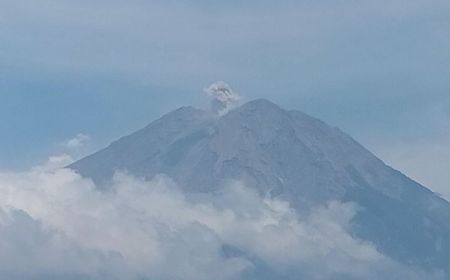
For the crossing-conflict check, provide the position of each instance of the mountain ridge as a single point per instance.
(289, 155)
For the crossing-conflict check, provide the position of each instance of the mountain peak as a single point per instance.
(185, 111)
(290, 155)
(261, 104)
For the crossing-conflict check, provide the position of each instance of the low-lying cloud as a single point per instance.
(56, 224)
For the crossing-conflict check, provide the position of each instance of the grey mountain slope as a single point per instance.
(291, 155)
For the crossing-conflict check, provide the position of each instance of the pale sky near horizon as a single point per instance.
(380, 70)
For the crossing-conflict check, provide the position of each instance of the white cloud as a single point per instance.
(54, 163)
(78, 141)
(59, 224)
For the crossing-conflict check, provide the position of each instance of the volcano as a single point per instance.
(292, 156)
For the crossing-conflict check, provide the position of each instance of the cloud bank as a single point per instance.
(56, 224)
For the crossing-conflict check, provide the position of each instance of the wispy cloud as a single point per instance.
(78, 141)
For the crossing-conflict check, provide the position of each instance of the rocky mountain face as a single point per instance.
(290, 155)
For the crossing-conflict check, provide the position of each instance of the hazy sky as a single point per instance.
(379, 70)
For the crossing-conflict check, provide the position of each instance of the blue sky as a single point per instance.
(377, 69)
